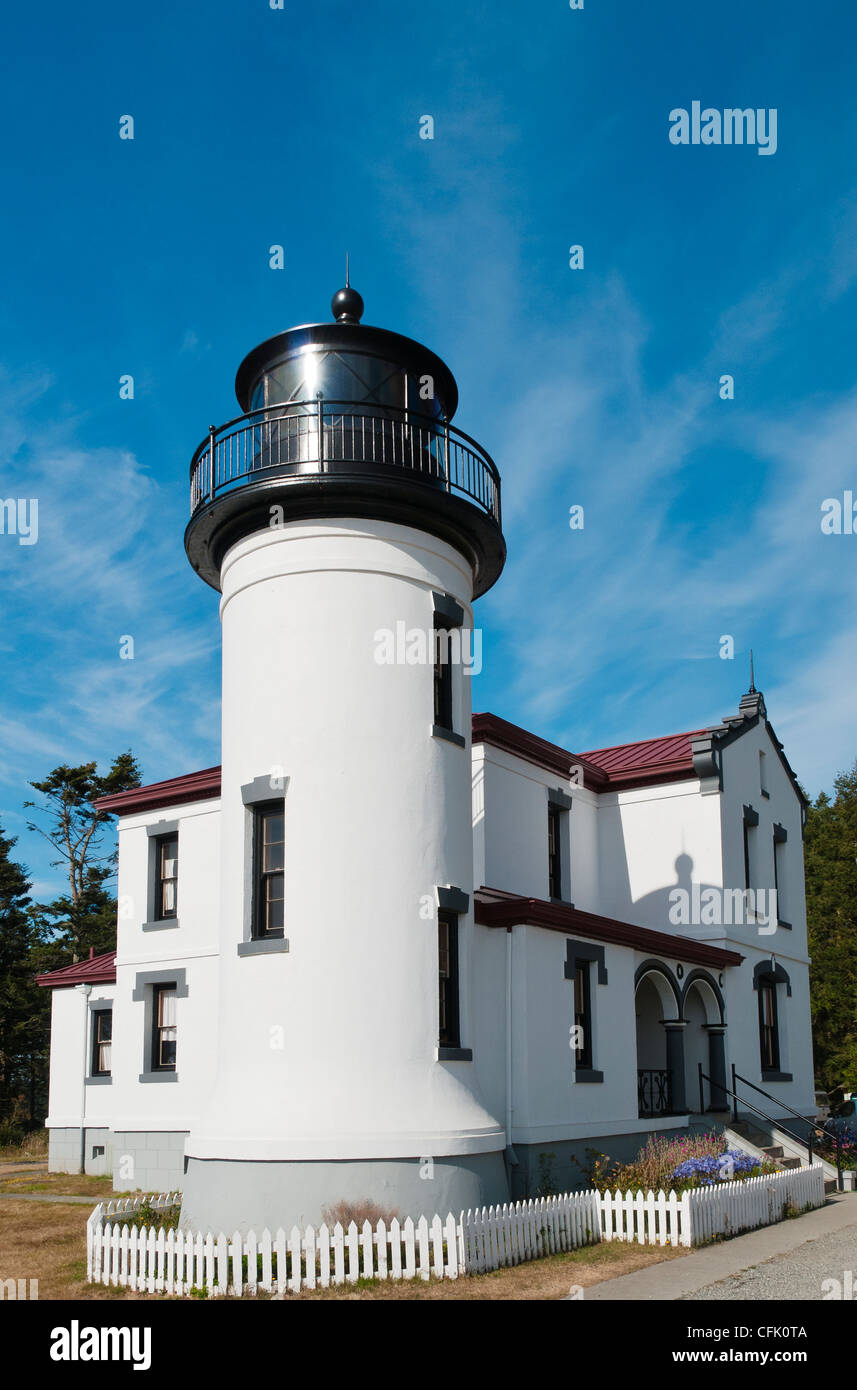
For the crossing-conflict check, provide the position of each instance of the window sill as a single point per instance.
(777, 1076)
(786, 926)
(454, 1054)
(158, 1076)
(263, 946)
(164, 925)
(766, 795)
(439, 732)
(97, 1080)
(586, 1076)
(562, 902)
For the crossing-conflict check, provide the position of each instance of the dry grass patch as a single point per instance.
(47, 1241)
(36, 1178)
(549, 1279)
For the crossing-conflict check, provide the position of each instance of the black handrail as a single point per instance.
(473, 471)
(703, 1076)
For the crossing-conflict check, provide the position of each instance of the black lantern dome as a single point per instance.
(343, 419)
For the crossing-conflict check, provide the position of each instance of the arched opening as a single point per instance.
(657, 1005)
(704, 1046)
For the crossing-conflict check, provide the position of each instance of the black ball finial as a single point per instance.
(347, 305)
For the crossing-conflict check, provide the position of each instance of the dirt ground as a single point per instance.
(46, 1240)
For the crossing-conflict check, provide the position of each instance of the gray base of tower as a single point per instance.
(234, 1194)
(64, 1150)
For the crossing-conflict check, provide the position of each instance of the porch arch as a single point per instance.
(660, 1040)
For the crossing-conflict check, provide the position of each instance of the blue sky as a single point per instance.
(597, 387)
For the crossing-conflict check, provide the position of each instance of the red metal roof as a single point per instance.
(193, 786)
(650, 756)
(495, 908)
(626, 764)
(98, 970)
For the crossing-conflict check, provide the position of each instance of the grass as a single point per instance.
(31, 1148)
(36, 1179)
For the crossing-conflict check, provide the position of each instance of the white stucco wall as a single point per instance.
(328, 1050)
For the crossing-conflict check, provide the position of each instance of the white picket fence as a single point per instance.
(176, 1262)
(742, 1206)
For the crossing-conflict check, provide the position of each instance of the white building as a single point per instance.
(389, 949)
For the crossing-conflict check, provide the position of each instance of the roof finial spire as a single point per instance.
(347, 281)
(752, 675)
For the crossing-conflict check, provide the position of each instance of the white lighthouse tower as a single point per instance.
(345, 522)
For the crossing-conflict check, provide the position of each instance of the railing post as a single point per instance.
(446, 450)
(212, 430)
(839, 1182)
(320, 400)
(734, 1097)
(701, 1092)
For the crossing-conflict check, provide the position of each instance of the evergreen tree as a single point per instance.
(23, 1042)
(85, 917)
(831, 904)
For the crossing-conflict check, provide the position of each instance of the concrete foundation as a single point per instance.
(228, 1195)
(148, 1161)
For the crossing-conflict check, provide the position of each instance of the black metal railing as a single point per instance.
(654, 1093)
(320, 436)
(814, 1128)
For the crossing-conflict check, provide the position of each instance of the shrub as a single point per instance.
(357, 1211)
(826, 1148)
(689, 1160)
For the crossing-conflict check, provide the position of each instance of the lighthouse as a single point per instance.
(341, 508)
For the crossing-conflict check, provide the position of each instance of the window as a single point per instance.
(768, 1025)
(447, 952)
(164, 1027)
(751, 820)
(555, 815)
(442, 674)
(167, 868)
(582, 1015)
(780, 838)
(270, 830)
(102, 1034)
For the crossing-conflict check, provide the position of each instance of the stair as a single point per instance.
(754, 1138)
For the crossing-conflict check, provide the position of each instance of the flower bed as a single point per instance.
(677, 1164)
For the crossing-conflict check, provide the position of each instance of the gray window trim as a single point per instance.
(452, 900)
(454, 1054)
(751, 817)
(585, 1076)
(263, 946)
(780, 834)
(143, 994)
(260, 789)
(254, 794)
(448, 609)
(448, 735)
(96, 1006)
(559, 798)
(162, 827)
(563, 803)
(154, 833)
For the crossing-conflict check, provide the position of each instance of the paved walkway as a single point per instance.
(687, 1277)
(49, 1197)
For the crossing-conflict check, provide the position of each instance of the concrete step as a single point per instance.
(789, 1163)
(773, 1151)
